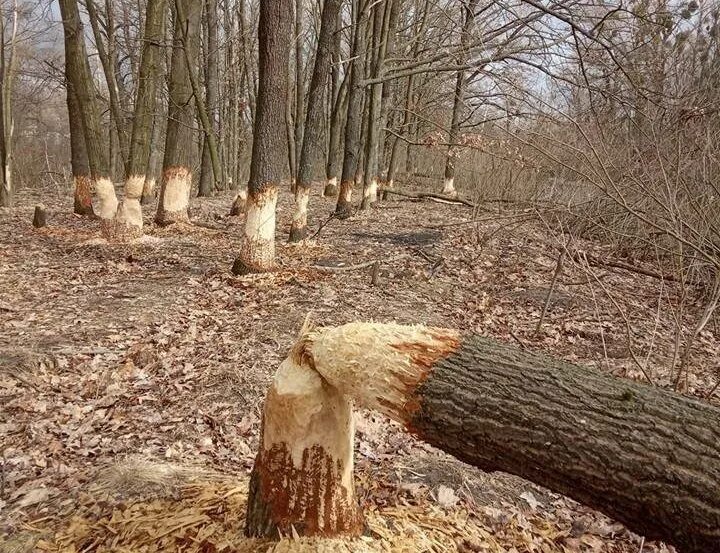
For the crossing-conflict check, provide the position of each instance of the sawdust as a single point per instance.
(201, 513)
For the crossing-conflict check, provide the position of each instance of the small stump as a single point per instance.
(40, 216)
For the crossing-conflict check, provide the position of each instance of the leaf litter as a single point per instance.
(132, 376)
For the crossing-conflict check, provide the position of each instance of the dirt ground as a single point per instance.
(132, 376)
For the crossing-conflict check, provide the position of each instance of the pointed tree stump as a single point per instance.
(302, 479)
(642, 455)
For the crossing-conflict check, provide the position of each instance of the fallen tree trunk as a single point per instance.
(644, 456)
(428, 196)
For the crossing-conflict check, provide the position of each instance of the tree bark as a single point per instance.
(268, 166)
(129, 221)
(299, 113)
(79, 80)
(179, 139)
(409, 95)
(8, 62)
(337, 100)
(78, 158)
(39, 216)
(460, 86)
(642, 455)
(108, 64)
(353, 126)
(208, 180)
(384, 20)
(312, 151)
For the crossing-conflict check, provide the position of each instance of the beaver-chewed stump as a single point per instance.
(303, 474)
(642, 455)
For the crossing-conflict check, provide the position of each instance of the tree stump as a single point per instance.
(642, 455)
(303, 474)
(40, 216)
(239, 204)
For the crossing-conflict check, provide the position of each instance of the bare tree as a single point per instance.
(268, 168)
(177, 173)
(313, 148)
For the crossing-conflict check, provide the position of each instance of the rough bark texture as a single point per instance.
(312, 147)
(81, 87)
(109, 62)
(302, 478)
(39, 216)
(384, 19)
(268, 167)
(337, 99)
(353, 126)
(78, 159)
(460, 86)
(128, 220)
(644, 456)
(180, 135)
(208, 180)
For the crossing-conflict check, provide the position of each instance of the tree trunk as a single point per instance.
(312, 151)
(8, 62)
(179, 138)
(299, 113)
(78, 157)
(337, 99)
(208, 180)
(644, 456)
(154, 165)
(108, 62)
(268, 166)
(353, 126)
(409, 95)
(383, 27)
(39, 216)
(79, 80)
(303, 474)
(129, 221)
(460, 85)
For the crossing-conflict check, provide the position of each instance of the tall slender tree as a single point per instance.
(80, 83)
(79, 164)
(353, 126)
(311, 154)
(208, 180)
(129, 215)
(180, 135)
(383, 16)
(458, 101)
(268, 167)
(336, 110)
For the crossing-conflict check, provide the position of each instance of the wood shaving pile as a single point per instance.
(208, 516)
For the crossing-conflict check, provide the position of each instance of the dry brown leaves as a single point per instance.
(154, 349)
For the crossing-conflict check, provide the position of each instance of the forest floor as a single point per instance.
(132, 376)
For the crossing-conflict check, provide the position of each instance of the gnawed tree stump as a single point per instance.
(303, 473)
(644, 456)
(239, 204)
(39, 216)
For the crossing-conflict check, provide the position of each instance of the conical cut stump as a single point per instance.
(303, 474)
